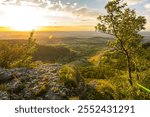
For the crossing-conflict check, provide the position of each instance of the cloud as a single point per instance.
(54, 6)
(147, 6)
(85, 12)
(133, 2)
(56, 12)
(148, 22)
(25, 2)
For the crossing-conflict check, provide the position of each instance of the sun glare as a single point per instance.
(23, 18)
(22, 28)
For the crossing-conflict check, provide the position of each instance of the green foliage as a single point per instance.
(146, 56)
(100, 90)
(67, 77)
(103, 71)
(10, 54)
(123, 88)
(71, 76)
(126, 50)
(30, 48)
(145, 78)
(124, 24)
(127, 92)
(17, 55)
(110, 64)
(90, 72)
(73, 80)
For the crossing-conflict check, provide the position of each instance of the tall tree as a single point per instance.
(124, 24)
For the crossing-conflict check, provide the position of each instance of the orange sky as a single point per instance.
(56, 28)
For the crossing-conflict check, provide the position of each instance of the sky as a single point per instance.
(82, 14)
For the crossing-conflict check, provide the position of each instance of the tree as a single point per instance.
(30, 48)
(123, 23)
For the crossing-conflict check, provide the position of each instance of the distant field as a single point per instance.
(84, 42)
(59, 34)
(61, 46)
(66, 46)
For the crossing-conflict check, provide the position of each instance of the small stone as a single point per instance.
(27, 93)
(52, 96)
(4, 96)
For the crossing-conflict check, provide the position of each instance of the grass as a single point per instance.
(3, 87)
(144, 88)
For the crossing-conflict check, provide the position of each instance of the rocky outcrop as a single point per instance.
(41, 82)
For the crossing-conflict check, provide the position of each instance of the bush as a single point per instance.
(92, 72)
(70, 74)
(127, 92)
(100, 90)
(17, 55)
(10, 54)
(73, 80)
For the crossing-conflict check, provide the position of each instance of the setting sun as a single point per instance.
(23, 18)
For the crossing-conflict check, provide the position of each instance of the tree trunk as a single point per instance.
(129, 69)
(128, 64)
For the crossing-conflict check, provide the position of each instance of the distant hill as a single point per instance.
(48, 53)
(59, 34)
(48, 34)
(53, 54)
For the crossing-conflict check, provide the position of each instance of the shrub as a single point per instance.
(17, 55)
(100, 90)
(71, 76)
(92, 72)
(73, 80)
(10, 54)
